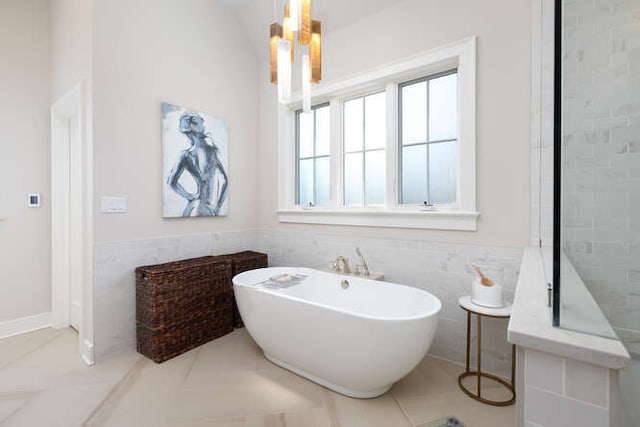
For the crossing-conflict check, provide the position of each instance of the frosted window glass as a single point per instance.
(375, 165)
(414, 113)
(322, 131)
(443, 108)
(322, 181)
(375, 121)
(353, 125)
(353, 179)
(306, 134)
(305, 189)
(443, 172)
(414, 174)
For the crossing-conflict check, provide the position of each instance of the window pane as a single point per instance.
(322, 181)
(414, 174)
(443, 108)
(306, 134)
(322, 131)
(442, 172)
(353, 125)
(353, 179)
(375, 121)
(375, 165)
(305, 184)
(414, 113)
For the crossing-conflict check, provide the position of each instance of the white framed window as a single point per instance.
(389, 147)
(312, 157)
(428, 139)
(364, 150)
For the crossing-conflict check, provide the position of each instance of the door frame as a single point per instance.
(73, 103)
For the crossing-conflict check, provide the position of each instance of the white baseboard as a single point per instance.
(25, 324)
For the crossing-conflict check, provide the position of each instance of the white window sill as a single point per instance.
(438, 220)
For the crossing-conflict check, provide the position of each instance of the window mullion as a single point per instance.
(297, 157)
(427, 146)
(315, 184)
(363, 188)
(336, 152)
(391, 144)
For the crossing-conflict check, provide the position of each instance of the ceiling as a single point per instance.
(255, 16)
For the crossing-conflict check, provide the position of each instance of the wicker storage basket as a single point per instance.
(243, 261)
(181, 305)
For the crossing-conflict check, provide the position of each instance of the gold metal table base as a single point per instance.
(479, 374)
(482, 399)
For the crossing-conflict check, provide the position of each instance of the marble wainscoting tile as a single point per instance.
(439, 268)
(114, 278)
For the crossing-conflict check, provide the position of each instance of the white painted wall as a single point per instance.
(187, 53)
(145, 52)
(503, 106)
(24, 158)
(71, 47)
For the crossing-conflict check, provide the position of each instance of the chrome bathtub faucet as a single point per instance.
(363, 264)
(345, 265)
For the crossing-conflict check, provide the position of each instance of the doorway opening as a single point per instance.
(71, 296)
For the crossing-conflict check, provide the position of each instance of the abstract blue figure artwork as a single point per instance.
(195, 163)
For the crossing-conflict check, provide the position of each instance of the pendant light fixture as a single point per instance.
(296, 18)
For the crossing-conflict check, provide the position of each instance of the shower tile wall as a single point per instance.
(601, 142)
(436, 267)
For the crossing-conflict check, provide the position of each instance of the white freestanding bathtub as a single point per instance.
(357, 340)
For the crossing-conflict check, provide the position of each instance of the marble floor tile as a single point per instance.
(15, 347)
(145, 396)
(225, 383)
(248, 393)
(382, 411)
(471, 413)
(12, 402)
(60, 407)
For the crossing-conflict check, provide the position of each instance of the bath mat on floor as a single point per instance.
(445, 422)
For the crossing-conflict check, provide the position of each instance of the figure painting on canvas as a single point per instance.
(195, 163)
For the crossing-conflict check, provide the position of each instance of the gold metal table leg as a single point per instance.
(479, 334)
(478, 372)
(468, 339)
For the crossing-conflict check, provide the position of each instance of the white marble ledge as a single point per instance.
(530, 325)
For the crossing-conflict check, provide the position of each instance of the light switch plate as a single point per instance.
(113, 204)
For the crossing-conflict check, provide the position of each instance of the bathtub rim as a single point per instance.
(432, 313)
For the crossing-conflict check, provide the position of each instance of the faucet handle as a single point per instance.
(362, 270)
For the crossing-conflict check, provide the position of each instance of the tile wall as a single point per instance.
(114, 279)
(601, 143)
(436, 267)
(562, 392)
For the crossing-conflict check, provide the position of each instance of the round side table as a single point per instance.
(480, 311)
